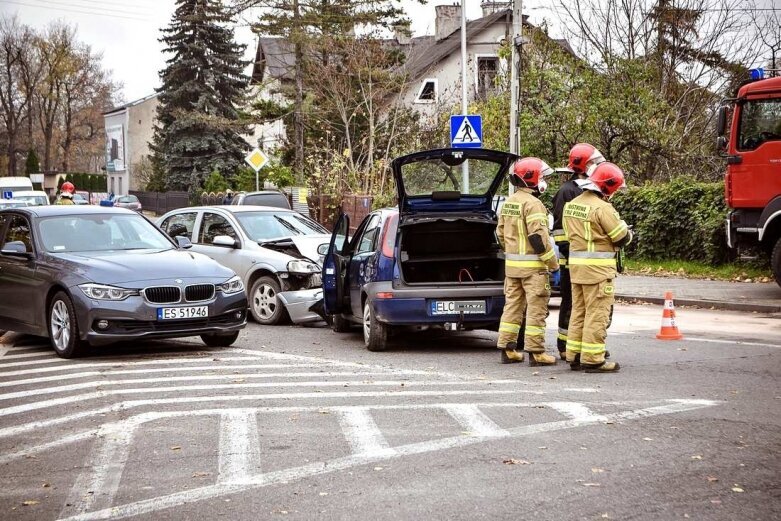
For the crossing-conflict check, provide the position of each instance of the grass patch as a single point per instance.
(699, 270)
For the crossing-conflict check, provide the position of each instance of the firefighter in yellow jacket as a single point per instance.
(523, 234)
(595, 232)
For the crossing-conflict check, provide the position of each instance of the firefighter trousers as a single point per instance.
(531, 293)
(565, 308)
(587, 331)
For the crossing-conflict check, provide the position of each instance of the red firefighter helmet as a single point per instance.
(582, 156)
(607, 177)
(67, 188)
(529, 172)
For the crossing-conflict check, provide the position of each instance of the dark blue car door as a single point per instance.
(335, 269)
(363, 261)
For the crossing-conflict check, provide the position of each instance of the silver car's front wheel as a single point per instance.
(264, 302)
(63, 329)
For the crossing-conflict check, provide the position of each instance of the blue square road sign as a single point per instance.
(466, 131)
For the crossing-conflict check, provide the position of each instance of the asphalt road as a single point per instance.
(303, 423)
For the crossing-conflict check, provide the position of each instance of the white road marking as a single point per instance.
(17, 356)
(97, 485)
(475, 421)
(362, 433)
(297, 473)
(81, 398)
(576, 411)
(729, 342)
(236, 377)
(239, 446)
(122, 406)
(118, 365)
(60, 442)
(149, 370)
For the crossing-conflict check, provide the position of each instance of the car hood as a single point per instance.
(129, 267)
(298, 246)
(429, 181)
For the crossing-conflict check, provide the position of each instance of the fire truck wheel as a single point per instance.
(775, 261)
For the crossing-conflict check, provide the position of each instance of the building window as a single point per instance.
(119, 180)
(112, 184)
(487, 72)
(428, 91)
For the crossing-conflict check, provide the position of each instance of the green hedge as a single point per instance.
(682, 219)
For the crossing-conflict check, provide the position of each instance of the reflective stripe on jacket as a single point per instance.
(592, 226)
(523, 215)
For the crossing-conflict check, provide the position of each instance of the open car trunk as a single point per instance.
(450, 251)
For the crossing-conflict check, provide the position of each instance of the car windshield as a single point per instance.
(262, 226)
(34, 200)
(103, 232)
(446, 173)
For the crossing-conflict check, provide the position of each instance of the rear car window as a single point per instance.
(275, 200)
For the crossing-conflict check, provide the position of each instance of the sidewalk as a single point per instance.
(735, 296)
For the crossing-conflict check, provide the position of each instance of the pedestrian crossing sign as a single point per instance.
(466, 131)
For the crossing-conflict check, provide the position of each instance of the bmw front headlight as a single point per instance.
(233, 285)
(104, 292)
(302, 267)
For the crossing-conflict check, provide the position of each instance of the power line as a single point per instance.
(101, 6)
(70, 10)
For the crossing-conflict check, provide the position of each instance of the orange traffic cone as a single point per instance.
(669, 330)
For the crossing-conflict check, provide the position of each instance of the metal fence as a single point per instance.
(161, 202)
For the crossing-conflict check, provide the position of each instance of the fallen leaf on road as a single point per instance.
(200, 474)
(716, 501)
(682, 349)
(609, 422)
(712, 479)
(513, 461)
(377, 468)
(551, 378)
(30, 502)
(323, 493)
(239, 380)
(737, 489)
(535, 373)
(697, 457)
(30, 456)
(176, 447)
(542, 448)
(591, 485)
(605, 516)
(597, 470)
(648, 439)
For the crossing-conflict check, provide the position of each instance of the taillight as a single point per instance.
(389, 235)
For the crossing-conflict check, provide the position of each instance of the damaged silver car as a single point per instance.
(272, 249)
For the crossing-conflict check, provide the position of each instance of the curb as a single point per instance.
(708, 304)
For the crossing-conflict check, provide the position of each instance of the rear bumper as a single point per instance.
(411, 306)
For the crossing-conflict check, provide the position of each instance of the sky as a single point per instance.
(126, 32)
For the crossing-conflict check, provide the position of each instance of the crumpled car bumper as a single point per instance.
(298, 303)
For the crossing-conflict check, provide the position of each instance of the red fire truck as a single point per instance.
(752, 185)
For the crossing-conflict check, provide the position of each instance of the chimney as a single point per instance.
(490, 8)
(402, 33)
(448, 19)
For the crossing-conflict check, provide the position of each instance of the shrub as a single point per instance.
(682, 219)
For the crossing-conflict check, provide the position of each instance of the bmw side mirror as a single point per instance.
(224, 241)
(183, 242)
(323, 249)
(15, 249)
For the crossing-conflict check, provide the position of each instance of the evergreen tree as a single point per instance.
(32, 165)
(199, 121)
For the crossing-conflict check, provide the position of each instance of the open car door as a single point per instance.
(335, 296)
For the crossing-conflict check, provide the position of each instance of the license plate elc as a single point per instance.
(456, 307)
(182, 313)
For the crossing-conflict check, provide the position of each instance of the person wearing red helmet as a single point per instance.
(523, 233)
(581, 157)
(595, 231)
(66, 193)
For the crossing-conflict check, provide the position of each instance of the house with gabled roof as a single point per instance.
(433, 62)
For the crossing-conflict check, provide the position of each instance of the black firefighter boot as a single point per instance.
(604, 367)
(510, 354)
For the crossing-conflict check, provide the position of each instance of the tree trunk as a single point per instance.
(298, 114)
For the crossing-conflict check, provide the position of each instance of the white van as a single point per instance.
(32, 197)
(10, 185)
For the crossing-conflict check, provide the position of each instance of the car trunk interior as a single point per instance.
(450, 252)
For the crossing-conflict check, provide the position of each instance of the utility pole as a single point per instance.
(464, 101)
(515, 79)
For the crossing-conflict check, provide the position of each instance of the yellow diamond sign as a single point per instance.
(256, 159)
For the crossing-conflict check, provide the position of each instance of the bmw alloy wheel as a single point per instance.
(60, 325)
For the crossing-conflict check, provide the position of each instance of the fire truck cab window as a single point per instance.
(760, 121)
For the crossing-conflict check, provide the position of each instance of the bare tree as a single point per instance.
(16, 44)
